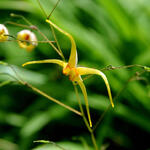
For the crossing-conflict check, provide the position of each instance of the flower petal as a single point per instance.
(54, 61)
(85, 71)
(82, 86)
(27, 40)
(73, 59)
(3, 33)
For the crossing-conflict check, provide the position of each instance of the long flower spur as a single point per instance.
(70, 69)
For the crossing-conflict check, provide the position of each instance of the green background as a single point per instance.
(107, 32)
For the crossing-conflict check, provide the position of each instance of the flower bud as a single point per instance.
(27, 40)
(3, 33)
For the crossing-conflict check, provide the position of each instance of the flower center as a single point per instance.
(2, 32)
(27, 36)
(71, 72)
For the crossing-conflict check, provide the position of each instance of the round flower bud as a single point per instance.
(27, 40)
(3, 33)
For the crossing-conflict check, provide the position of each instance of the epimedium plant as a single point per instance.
(70, 69)
(27, 40)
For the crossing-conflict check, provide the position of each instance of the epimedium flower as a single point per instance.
(27, 40)
(3, 33)
(70, 69)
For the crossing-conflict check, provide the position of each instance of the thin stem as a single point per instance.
(18, 78)
(38, 30)
(53, 46)
(52, 99)
(26, 40)
(30, 41)
(118, 94)
(3, 73)
(59, 51)
(42, 8)
(17, 24)
(53, 9)
(21, 81)
(53, 32)
(101, 117)
(94, 141)
(110, 67)
(22, 17)
(132, 78)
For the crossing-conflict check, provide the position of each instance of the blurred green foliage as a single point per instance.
(107, 32)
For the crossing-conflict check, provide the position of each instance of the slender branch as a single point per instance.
(16, 40)
(101, 118)
(52, 99)
(110, 67)
(30, 41)
(94, 141)
(42, 8)
(132, 78)
(53, 46)
(21, 81)
(17, 24)
(53, 32)
(39, 31)
(22, 17)
(53, 9)
(3, 73)
(34, 27)
(59, 51)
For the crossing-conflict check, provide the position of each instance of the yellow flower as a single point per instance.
(3, 33)
(27, 40)
(70, 69)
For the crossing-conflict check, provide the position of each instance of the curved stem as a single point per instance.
(52, 99)
(94, 141)
(53, 9)
(21, 81)
(22, 17)
(58, 46)
(53, 46)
